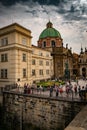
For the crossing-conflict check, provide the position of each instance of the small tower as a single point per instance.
(81, 50)
(49, 25)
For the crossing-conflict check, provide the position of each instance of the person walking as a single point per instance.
(75, 89)
(57, 91)
(51, 91)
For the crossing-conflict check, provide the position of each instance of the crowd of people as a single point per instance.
(68, 89)
(73, 90)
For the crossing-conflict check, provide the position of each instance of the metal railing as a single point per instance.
(82, 95)
(8, 88)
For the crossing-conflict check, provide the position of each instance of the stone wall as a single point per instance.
(45, 112)
(80, 121)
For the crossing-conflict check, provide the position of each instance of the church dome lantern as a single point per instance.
(49, 25)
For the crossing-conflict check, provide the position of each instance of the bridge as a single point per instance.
(39, 109)
(45, 92)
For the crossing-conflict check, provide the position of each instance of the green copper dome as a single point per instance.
(49, 32)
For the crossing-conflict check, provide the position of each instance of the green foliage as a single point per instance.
(50, 83)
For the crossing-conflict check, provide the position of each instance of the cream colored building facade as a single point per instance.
(42, 64)
(21, 62)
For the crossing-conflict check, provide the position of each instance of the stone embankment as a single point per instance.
(48, 113)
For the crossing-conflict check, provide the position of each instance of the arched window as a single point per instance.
(84, 72)
(44, 44)
(80, 61)
(86, 60)
(53, 43)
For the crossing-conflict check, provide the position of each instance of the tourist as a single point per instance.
(67, 90)
(83, 93)
(57, 91)
(41, 88)
(86, 87)
(75, 89)
(28, 89)
(51, 91)
(79, 91)
(61, 91)
(25, 88)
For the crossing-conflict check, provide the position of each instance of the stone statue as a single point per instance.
(67, 71)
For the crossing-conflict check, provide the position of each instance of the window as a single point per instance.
(47, 63)
(40, 72)
(47, 72)
(40, 62)
(58, 64)
(33, 61)
(4, 73)
(33, 72)
(4, 41)
(4, 57)
(40, 54)
(24, 41)
(51, 63)
(53, 43)
(24, 73)
(32, 51)
(80, 61)
(47, 55)
(24, 57)
(44, 44)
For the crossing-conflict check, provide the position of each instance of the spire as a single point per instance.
(67, 46)
(81, 50)
(71, 49)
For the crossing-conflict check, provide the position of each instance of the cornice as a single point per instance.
(14, 30)
(15, 46)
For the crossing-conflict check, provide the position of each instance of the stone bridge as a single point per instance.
(44, 112)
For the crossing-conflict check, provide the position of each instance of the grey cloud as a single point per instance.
(33, 12)
(42, 2)
(73, 10)
(69, 17)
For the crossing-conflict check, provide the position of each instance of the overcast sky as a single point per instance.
(69, 17)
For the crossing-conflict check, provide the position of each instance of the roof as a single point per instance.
(13, 24)
(49, 32)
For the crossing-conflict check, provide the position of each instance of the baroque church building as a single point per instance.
(50, 39)
(21, 62)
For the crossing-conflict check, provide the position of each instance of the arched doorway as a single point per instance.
(84, 72)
